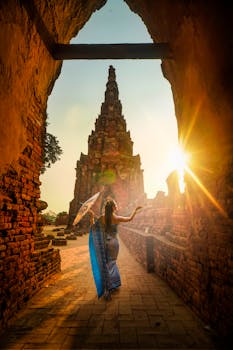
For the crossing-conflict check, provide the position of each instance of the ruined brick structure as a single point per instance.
(169, 239)
(62, 219)
(200, 74)
(26, 259)
(110, 165)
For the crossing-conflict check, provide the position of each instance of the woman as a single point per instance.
(104, 248)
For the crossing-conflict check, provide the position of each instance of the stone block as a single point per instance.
(59, 242)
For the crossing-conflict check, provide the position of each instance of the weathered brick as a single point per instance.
(2, 247)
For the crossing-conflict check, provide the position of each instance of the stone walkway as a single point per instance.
(66, 314)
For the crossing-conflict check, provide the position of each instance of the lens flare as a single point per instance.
(178, 161)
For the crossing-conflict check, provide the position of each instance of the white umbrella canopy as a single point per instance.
(85, 207)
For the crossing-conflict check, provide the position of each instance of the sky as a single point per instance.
(75, 102)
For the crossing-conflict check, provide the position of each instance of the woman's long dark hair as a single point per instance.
(109, 207)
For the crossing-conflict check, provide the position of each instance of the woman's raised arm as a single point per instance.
(118, 218)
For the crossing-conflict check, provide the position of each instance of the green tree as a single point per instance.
(51, 150)
(62, 213)
(49, 219)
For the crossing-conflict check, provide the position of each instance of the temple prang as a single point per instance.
(109, 166)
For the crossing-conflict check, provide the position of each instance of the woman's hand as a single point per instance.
(91, 213)
(138, 208)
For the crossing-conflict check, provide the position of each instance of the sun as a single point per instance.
(179, 161)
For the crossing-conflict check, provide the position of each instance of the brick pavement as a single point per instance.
(66, 313)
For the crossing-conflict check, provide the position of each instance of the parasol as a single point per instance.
(85, 207)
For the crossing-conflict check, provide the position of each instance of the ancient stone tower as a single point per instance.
(110, 165)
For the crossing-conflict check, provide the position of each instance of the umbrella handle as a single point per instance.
(92, 216)
(92, 213)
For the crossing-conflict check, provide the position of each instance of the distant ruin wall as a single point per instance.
(139, 245)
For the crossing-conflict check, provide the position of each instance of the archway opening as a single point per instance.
(146, 98)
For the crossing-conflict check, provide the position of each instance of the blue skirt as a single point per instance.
(103, 256)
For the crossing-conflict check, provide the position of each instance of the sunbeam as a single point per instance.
(206, 192)
(192, 122)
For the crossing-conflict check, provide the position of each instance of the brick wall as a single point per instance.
(140, 245)
(23, 266)
(191, 255)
